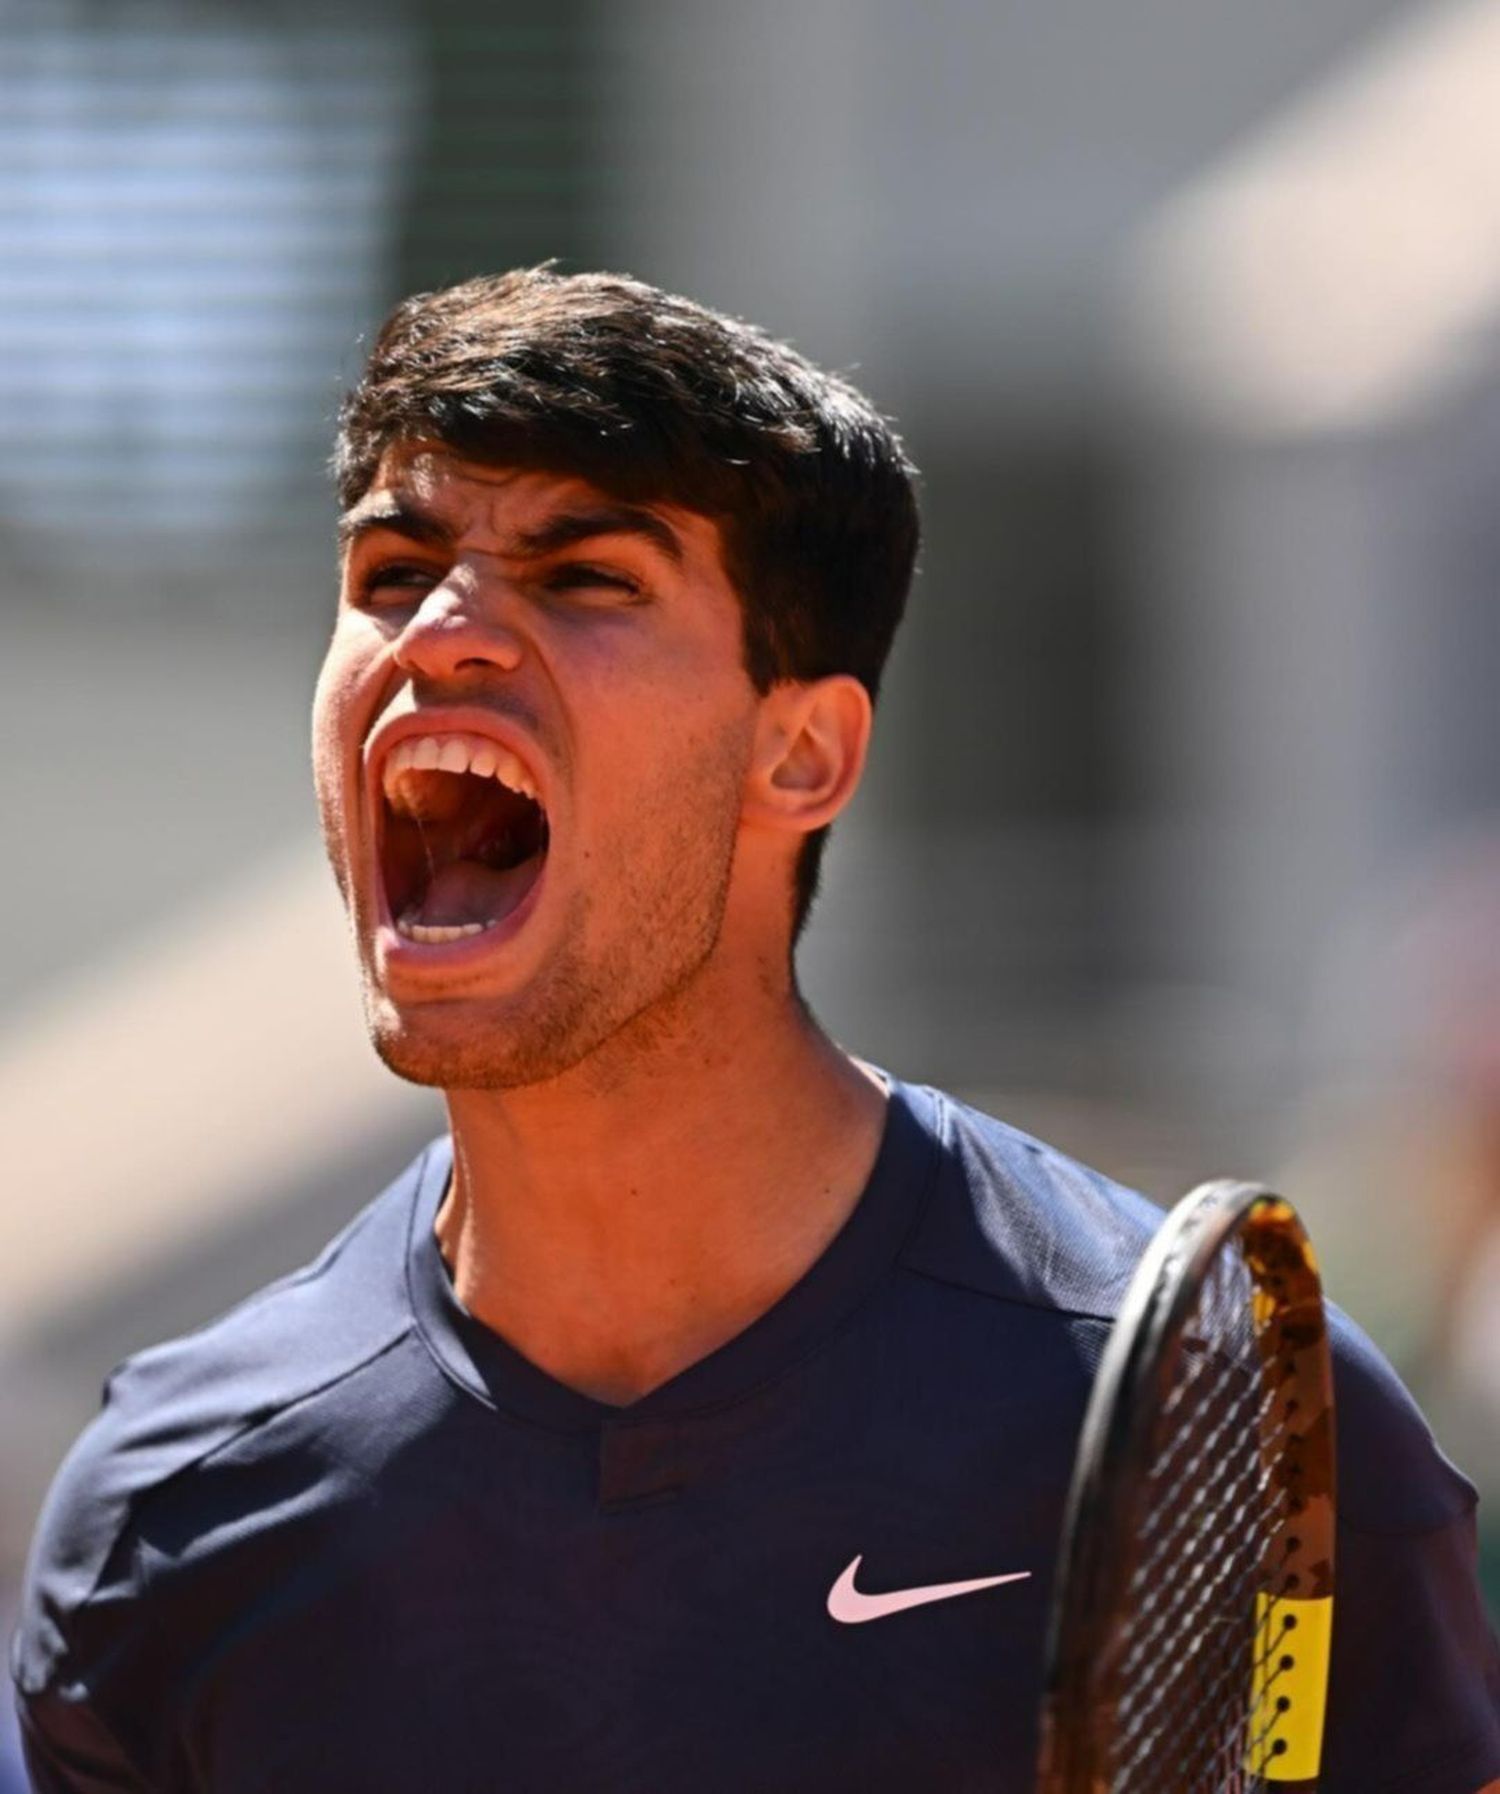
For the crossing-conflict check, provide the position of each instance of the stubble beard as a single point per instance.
(609, 1003)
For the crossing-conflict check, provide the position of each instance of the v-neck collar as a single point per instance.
(856, 1259)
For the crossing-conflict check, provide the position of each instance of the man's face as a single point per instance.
(530, 739)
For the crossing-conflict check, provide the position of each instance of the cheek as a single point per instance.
(661, 691)
(687, 764)
(333, 703)
(673, 752)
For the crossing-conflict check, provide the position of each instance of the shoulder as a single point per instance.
(1392, 1476)
(174, 1408)
(1015, 1219)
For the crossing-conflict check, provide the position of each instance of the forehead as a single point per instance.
(500, 507)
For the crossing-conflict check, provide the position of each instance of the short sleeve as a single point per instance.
(1414, 1681)
(1414, 1686)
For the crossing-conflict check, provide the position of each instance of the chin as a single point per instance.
(608, 1008)
(457, 1051)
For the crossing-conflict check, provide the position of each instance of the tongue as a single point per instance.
(466, 891)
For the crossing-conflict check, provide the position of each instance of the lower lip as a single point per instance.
(399, 953)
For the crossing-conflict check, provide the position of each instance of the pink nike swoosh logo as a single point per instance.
(851, 1608)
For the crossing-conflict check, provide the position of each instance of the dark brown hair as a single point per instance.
(649, 396)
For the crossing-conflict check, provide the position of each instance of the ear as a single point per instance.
(810, 747)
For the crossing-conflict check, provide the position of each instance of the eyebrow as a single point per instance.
(397, 515)
(568, 528)
(565, 529)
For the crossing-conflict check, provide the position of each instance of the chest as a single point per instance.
(664, 1607)
(726, 1685)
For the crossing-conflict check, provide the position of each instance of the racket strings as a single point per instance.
(1233, 1417)
(1204, 1660)
(1213, 1499)
(1212, 1518)
(1222, 1759)
(1203, 1673)
(1200, 1722)
(1199, 1589)
(1249, 1410)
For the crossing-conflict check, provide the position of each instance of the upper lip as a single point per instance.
(457, 721)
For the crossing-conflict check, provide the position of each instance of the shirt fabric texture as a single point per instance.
(346, 1540)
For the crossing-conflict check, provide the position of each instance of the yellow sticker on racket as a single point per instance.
(1292, 1640)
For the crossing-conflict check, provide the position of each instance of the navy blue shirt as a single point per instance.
(347, 1541)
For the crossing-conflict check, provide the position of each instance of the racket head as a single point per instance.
(1188, 1645)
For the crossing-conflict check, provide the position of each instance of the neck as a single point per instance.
(617, 1226)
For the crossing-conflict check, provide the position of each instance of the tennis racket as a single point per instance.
(1189, 1636)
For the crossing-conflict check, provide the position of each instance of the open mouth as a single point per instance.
(462, 836)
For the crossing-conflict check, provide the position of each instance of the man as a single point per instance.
(580, 1460)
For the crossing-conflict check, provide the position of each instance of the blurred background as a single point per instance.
(1181, 845)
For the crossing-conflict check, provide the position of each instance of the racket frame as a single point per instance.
(1095, 1561)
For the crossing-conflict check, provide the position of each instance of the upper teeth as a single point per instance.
(456, 753)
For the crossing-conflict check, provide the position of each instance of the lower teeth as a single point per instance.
(439, 931)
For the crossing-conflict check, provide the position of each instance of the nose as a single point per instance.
(461, 625)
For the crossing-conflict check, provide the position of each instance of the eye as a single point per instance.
(583, 576)
(393, 582)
